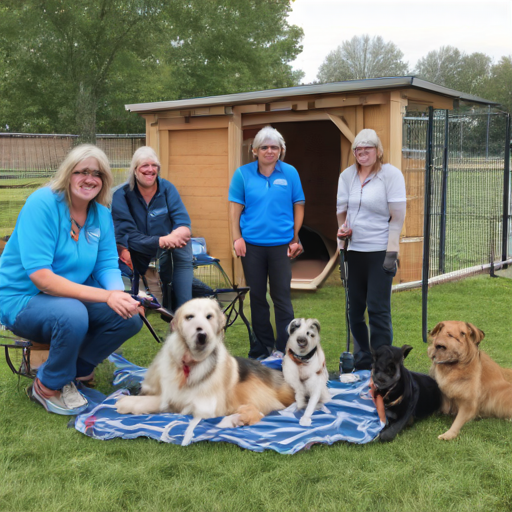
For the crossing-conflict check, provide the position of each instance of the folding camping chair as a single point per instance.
(22, 356)
(210, 280)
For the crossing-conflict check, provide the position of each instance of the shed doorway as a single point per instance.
(314, 149)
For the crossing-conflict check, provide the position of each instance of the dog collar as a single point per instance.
(301, 359)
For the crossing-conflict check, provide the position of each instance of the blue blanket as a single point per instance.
(349, 416)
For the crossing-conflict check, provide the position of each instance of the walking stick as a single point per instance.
(346, 358)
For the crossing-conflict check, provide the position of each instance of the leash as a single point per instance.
(346, 358)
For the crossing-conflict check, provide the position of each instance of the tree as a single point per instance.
(226, 47)
(71, 65)
(62, 54)
(499, 84)
(452, 68)
(362, 57)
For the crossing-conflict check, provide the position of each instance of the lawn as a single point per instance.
(46, 466)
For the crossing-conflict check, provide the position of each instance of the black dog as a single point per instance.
(407, 395)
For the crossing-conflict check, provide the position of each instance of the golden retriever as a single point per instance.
(194, 374)
(304, 367)
(471, 382)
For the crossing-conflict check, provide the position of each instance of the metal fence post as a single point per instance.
(426, 225)
(442, 220)
(506, 193)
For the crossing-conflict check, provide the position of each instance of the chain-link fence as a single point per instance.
(467, 185)
(466, 191)
(28, 161)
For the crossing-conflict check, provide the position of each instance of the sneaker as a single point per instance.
(68, 401)
(277, 354)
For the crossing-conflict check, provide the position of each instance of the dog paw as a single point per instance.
(124, 405)
(249, 415)
(305, 421)
(387, 435)
(231, 421)
(448, 436)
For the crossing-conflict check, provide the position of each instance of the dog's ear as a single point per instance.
(316, 323)
(176, 321)
(294, 325)
(474, 333)
(221, 317)
(405, 350)
(436, 329)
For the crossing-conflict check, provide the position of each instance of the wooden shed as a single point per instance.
(202, 141)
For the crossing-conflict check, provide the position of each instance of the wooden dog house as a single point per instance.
(202, 141)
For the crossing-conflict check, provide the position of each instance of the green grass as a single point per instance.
(46, 466)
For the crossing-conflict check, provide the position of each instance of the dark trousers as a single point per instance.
(273, 263)
(369, 286)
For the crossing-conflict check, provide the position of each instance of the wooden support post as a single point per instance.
(235, 140)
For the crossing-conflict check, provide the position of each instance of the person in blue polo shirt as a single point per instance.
(266, 211)
(150, 219)
(60, 283)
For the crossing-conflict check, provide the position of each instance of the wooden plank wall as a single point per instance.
(198, 167)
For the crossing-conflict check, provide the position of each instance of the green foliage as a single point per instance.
(452, 68)
(71, 65)
(227, 47)
(499, 85)
(46, 466)
(362, 57)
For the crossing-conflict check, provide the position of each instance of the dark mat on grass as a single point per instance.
(350, 416)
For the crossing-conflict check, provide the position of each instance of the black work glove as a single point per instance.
(390, 261)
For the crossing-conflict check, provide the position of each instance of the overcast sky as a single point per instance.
(415, 26)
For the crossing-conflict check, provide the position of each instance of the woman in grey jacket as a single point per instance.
(371, 211)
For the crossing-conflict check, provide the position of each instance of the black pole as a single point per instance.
(426, 225)
(442, 227)
(506, 192)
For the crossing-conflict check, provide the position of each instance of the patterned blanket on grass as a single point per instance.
(349, 416)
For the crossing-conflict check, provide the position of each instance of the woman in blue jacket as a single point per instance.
(150, 218)
(60, 283)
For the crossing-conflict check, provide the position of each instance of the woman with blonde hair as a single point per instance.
(60, 282)
(152, 223)
(371, 211)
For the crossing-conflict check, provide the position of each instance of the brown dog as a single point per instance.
(471, 382)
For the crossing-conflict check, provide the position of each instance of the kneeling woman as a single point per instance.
(59, 279)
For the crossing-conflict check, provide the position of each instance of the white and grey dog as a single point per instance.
(304, 367)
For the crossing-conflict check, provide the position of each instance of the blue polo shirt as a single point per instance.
(267, 218)
(41, 239)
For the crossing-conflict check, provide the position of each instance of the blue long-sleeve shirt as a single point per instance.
(139, 225)
(42, 240)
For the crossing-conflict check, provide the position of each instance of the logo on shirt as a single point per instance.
(93, 234)
(281, 181)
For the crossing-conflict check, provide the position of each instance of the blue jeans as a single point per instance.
(80, 334)
(178, 270)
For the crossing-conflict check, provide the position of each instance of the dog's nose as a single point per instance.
(301, 341)
(201, 338)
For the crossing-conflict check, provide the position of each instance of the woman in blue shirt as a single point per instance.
(59, 279)
(267, 210)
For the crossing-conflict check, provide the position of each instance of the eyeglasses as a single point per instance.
(363, 151)
(87, 172)
(272, 148)
(146, 167)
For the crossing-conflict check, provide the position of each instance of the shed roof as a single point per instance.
(306, 90)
